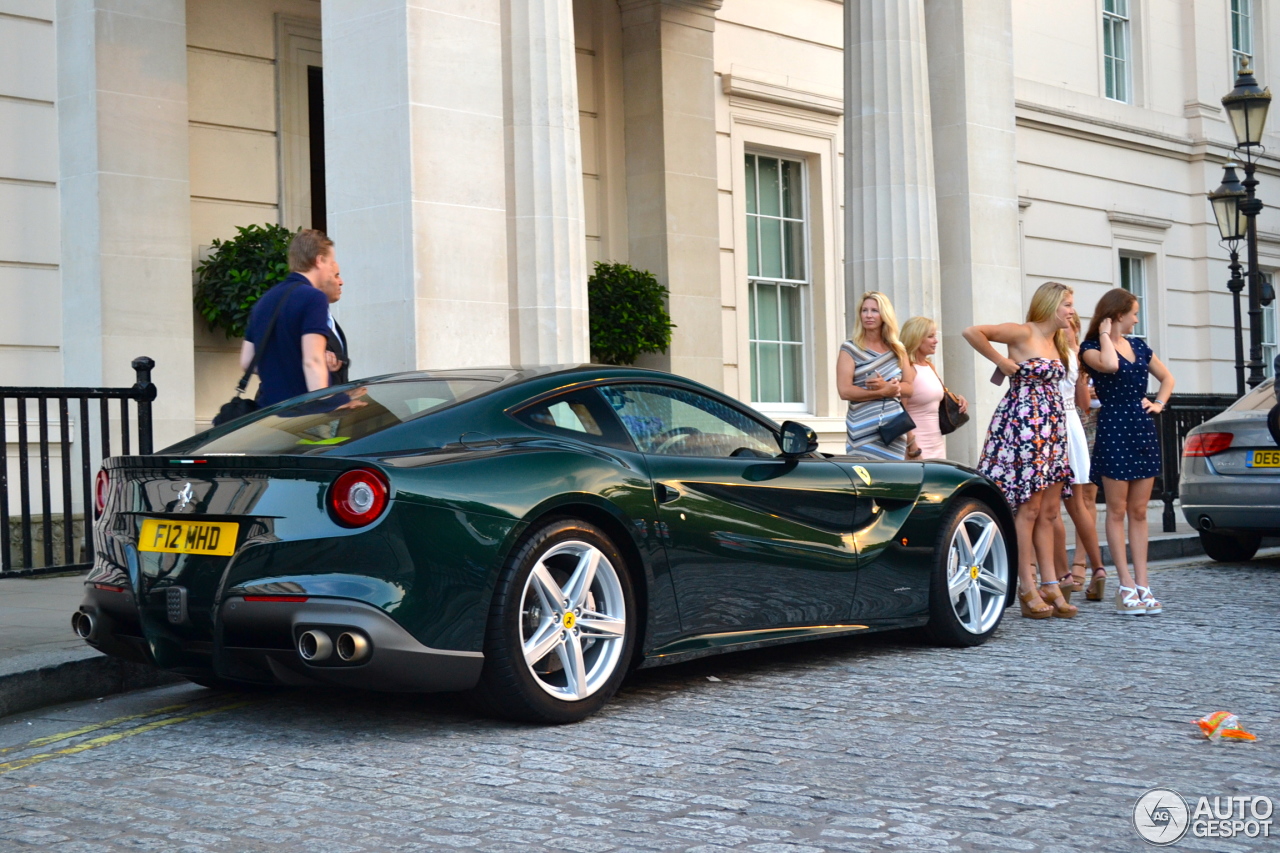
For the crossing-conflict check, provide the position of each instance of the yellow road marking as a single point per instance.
(112, 738)
(48, 739)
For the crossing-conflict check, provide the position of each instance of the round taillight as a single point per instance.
(359, 497)
(1207, 444)
(100, 486)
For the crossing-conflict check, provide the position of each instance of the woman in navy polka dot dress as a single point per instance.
(1126, 454)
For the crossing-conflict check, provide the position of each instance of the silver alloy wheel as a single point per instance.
(977, 572)
(573, 620)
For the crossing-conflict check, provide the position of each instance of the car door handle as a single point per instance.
(664, 493)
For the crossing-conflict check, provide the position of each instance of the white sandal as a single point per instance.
(1154, 608)
(1128, 603)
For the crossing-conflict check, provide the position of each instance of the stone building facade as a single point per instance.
(479, 155)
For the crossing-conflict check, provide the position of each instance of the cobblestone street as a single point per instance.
(1041, 740)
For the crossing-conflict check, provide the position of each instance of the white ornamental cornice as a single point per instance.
(699, 7)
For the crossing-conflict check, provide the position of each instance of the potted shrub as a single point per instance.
(628, 311)
(237, 272)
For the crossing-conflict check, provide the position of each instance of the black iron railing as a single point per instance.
(60, 414)
(1184, 412)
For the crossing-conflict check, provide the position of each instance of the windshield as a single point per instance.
(337, 419)
(1260, 399)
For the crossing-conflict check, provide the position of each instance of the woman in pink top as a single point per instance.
(920, 338)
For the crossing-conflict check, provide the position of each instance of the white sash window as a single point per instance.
(778, 275)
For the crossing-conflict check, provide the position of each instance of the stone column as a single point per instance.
(975, 164)
(546, 231)
(415, 180)
(125, 199)
(891, 238)
(672, 203)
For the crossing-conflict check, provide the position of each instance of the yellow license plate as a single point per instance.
(1264, 459)
(188, 537)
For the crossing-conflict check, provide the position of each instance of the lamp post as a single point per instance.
(1233, 226)
(1246, 107)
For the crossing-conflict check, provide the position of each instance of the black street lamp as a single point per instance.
(1233, 226)
(1246, 107)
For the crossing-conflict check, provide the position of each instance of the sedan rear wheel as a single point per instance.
(561, 627)
(971, 581)
(1225, 547)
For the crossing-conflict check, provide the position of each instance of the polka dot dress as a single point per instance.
(1127, 446)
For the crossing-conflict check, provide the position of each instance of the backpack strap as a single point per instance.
(258, 350)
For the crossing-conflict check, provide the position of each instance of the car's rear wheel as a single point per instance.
(971, 576)
(561, 627)
(1230, 547)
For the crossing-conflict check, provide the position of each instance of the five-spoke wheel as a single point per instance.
(971, 585)
(560, 628)
(573, 620)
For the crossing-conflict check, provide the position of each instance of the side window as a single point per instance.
(580, 414)
(675, 422)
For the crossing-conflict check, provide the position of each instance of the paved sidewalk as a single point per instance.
(1183, 542)
(41, 661)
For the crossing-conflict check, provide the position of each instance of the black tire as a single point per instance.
(508, 687)
(945, 627)
(1230, 547)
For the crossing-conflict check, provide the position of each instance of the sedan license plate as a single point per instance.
(217, 538)
(1263, 459)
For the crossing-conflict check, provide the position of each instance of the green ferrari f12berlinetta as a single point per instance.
(525, 535)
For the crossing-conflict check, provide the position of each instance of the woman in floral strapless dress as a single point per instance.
(1026, 449)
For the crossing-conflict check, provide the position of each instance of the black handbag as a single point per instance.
(893, 428)
(950, 418)
(239, 406)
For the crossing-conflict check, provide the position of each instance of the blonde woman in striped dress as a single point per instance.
(874, 373)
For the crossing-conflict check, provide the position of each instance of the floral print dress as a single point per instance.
(1026, 447)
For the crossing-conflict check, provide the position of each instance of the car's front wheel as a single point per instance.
(1230, 547)
(561, 627)
(971, 577)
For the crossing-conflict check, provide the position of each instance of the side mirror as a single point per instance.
(797, 439)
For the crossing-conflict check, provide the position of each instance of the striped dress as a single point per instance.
(864, 419)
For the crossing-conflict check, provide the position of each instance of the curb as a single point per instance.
(1168, 547)
(37, 681)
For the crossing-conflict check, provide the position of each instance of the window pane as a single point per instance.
(347, 414)
(792, 374)
(770, 248)
(755, 373)
(792, 192)
(770, 377)
(795, 246)
(769, 187)
(751, 183)
(677, 422)
(753, 246)
(766, 312)
(789, 314)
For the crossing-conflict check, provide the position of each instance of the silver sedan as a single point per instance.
(1230, 485)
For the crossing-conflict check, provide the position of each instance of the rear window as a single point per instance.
(337, 419)
(1260, 399)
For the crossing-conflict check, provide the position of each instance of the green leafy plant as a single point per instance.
(237, 272)
(628, 312)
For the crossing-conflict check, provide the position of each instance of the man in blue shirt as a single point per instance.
(293, 356)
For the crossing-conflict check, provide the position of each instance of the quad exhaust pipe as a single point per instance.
(353, 647)
(83, 624)
(316, 646)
